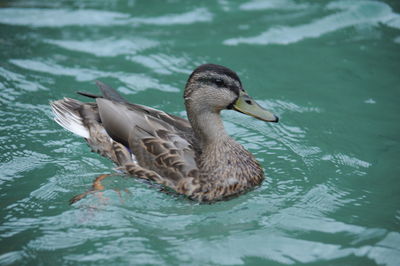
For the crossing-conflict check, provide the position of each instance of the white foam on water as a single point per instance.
(352, 13)
(21, 80)
(21, 162)
(272, 4)
(346, 160)
(80, 74)
(278, 247)
(106, 47)
(194, 16)
(162, 63)
(370, 101)
(137, 82)
(282, 106)
(12, 257)
(38, 17)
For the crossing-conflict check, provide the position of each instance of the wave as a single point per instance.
(272, 4)
(352, 13)
(136, 81)
(40, 17)
(106, 47)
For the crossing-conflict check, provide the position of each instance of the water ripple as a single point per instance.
(275, 247)
(162, 63)
(352, 13)
(36, 17)
(136, 81)
(20, 163)
(12, 257)
(194, 16)
(106, 47)
(272, 4)
(330, 193)
(20, 81)
(341, 160)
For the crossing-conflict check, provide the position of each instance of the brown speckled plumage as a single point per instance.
(195, 158)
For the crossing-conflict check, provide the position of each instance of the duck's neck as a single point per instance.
(208, 127)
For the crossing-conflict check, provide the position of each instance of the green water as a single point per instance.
(329, 69)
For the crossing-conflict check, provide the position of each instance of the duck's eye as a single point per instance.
(219, 82)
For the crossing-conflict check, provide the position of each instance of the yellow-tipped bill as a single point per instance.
(245, 104)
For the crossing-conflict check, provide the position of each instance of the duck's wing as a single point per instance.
(165, 152)
(107, 93)
(111, 94)
(137, 111)
(159, 141)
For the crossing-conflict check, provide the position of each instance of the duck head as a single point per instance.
(213, 88)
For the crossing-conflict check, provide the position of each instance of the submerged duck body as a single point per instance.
(194, 157)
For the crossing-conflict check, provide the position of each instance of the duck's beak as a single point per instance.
(246, 105)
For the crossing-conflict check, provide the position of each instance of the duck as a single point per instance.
(194, 157)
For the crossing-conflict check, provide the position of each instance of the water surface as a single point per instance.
(329, 69)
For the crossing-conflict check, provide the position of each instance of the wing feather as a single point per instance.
(158, 143)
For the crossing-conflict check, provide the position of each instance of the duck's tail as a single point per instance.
(83, 120)
(67, 115)
(107, 93)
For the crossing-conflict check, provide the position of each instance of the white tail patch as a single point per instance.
(67, 117)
